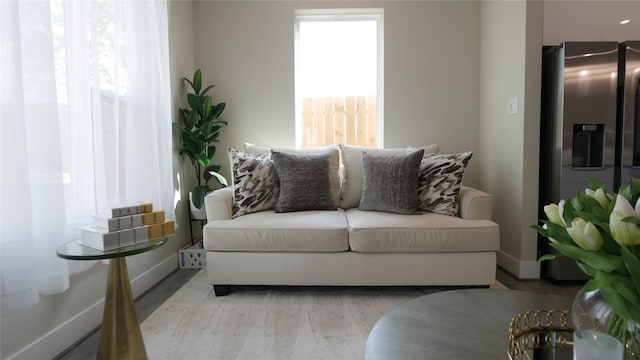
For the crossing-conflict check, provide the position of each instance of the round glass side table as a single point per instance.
(121, 337)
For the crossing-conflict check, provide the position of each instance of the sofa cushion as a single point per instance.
(427, 232)
(352, 171)
(428, 149)
(440, 181)
(252, 148)
(304, 181)
(303, 231)
(334, 160)
(255, 182)
(390, 183)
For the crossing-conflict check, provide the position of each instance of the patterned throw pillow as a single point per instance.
(305, 182)
(439, 182)
(390, 183)
(255, 182)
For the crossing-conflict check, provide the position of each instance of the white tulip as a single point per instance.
(637, 208)
(600, 195)
(554, 213)
(623, 232)
(585, 235)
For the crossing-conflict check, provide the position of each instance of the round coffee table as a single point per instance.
(455, 324)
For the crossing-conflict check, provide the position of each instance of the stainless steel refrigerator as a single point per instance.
(589, 126)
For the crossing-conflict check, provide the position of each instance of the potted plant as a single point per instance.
(601, 232)
(200, 127)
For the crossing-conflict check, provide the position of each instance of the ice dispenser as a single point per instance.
(588, 146)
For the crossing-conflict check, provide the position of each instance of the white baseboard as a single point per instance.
(151, 277)
(65, 335)
(518, 268)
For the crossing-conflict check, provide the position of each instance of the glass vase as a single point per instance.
(591, 312)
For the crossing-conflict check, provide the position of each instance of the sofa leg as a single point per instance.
(221, 290)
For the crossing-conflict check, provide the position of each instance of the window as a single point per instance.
(338, 77)
(85, 85)
(95, 58)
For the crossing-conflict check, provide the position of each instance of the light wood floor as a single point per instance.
(152, 299)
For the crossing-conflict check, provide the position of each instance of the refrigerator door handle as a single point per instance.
(636, 123)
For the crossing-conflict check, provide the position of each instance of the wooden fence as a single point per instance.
(339, 120)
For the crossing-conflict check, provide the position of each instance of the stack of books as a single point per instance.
(125, 226)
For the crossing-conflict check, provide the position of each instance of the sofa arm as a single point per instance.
(475, 204)
(218, 204)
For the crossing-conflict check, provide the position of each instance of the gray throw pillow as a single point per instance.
(255, 182)
(334, 161)
(390, 183)
(305, 182)
(440, 181)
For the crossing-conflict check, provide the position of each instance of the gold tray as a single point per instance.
(541, 334)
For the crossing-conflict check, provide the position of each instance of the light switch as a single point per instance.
(513, 106)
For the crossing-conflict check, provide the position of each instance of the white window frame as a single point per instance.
(375, 14)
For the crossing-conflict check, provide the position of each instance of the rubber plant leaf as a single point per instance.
(197, 81)
(198, 195)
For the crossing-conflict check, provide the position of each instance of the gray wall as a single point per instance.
(510, 69)
(58, 321)
(512, 36)
(431, 81)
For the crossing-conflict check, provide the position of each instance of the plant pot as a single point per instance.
(197, 214)
(591, 312)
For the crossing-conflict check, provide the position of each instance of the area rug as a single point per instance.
(272, 323)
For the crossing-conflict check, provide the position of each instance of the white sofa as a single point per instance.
(349, 246)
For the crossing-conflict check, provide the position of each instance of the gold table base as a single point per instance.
(121, 337)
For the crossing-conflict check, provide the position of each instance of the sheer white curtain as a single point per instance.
(85, 125)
